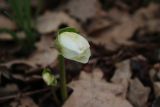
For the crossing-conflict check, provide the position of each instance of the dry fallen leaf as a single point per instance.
(122, 75)
(8, 37)
(51, 21)
(45, 55)
(136, 92)
(125, 26)
(149, 12)
(5, 37)
(23, 102)
(119, 34)
(6, 23)
(93, 91)
(83, 10)
(157, 88)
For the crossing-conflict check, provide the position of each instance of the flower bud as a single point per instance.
(73, 46)
(49, 78)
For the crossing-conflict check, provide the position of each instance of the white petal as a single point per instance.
(73, 41)
(67, 53)
(84, 57)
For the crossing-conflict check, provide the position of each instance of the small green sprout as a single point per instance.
(49, 78)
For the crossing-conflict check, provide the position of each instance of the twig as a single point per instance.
(23, 94)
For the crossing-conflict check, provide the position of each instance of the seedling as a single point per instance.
(71, 45)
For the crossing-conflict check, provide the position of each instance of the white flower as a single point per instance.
(73, 46)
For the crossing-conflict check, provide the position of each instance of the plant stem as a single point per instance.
(63, 85)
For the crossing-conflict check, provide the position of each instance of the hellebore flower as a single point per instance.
(49, 78)
(73, 46)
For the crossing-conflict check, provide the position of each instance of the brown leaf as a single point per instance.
(6, 23)
(93, 91)
(157, 88)
(136, 92)
(51, 21)
(83, 10)
(122, 75)
(8, 37)
(45, 55)
(119, 34)
(123, 26)
(23, 102)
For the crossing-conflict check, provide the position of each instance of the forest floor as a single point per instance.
(124, 68)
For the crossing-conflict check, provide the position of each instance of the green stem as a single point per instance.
(63, 85)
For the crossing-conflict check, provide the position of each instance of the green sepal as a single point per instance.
(67, 29)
